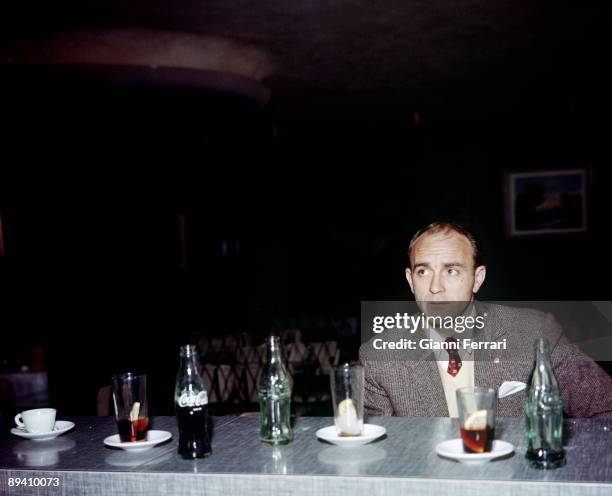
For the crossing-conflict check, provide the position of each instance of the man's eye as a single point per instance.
(422, 272)
(453, 272)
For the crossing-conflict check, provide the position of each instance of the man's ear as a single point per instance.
(409, 278)
(479, 276)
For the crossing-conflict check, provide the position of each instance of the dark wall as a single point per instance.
(99, 285)
(308, 223)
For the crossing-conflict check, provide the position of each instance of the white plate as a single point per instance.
(453, 449)
(153, 438)
(369, 434)
(60, 427)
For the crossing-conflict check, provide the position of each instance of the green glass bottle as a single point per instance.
(275, 397)
(544, 412)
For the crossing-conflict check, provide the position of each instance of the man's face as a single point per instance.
(442, 268)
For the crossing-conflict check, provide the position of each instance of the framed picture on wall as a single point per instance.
(546, 202)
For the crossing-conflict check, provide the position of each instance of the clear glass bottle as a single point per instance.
(191, 405)
(275, 397)
(544, 412)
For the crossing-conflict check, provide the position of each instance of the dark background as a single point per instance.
(305, 208)
(99, 280)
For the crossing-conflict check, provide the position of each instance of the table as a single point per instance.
(403, 462)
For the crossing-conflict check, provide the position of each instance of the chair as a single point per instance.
(250, 354)
(227, 384)
(327, 355)
(209, 377)
(103, 403)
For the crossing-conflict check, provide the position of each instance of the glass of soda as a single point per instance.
(130, 400)
(477, 409)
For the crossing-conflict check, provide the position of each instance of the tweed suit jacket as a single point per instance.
(414, 388)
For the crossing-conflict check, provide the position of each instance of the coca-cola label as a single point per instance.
(190, 398)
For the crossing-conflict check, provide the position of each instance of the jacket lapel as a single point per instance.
(425, 378)
(428, 385)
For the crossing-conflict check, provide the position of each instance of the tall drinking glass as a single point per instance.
(130, 400)
(477, 409)
(347, 397)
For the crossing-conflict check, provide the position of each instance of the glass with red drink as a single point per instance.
(130, 400)
(477, 409)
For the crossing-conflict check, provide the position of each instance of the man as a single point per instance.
(445, 267)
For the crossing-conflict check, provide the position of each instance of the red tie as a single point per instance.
(454, 360)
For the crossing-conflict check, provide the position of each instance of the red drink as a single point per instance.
(130, 431)
(477, 441)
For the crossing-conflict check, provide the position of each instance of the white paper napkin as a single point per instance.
(510, 387)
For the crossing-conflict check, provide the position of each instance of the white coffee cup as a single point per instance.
(36, 421)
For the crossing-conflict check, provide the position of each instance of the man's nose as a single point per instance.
(436, 285)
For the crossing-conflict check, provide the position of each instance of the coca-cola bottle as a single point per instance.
(191, 404)
(275, 397)
(544, 412)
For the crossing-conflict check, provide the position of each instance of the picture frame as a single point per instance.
(546, 202)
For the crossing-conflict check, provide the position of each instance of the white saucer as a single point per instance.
(60, 427)
(153, 438)
(369, 434)
(454, 449)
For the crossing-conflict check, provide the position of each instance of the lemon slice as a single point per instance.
(135, 411)
(346, 407)
(347, 421)
(477, 421)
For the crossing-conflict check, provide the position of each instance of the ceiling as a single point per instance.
(386, 56)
